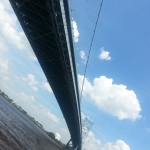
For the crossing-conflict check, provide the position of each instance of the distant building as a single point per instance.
(57, 136)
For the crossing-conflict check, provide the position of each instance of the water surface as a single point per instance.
(18, 132)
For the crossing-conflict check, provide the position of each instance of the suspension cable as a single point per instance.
(93, 36)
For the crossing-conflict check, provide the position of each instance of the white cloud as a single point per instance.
(83, 56)
(10, 34)
(26, 98)
(4, 72)
(30, 79)
(3, 66)
(48, 114)
(92, 143)
(75, 31)
(87, 85)
(114, 99)
(118, 145)
(29, 103)
(3, 47)
(5, 3)
(47, 87)
(104, 55)
(34, 88)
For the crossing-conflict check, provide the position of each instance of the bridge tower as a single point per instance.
(86, 127)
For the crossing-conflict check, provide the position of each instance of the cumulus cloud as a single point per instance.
(47, 87)
(83, 56)
(75, 31)
(30, 79)
(10, 34)
(115, 99)
(104, 55)
(92, 143)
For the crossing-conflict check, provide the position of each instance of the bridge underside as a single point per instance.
(47, 26)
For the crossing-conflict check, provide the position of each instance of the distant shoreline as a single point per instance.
(50, 134)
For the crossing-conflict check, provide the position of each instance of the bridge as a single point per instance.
(47, 25)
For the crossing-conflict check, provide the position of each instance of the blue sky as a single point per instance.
(116, 91)
(123, 31)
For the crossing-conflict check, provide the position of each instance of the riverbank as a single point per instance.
(18, 132)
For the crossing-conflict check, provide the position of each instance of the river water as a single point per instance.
(18, 132)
